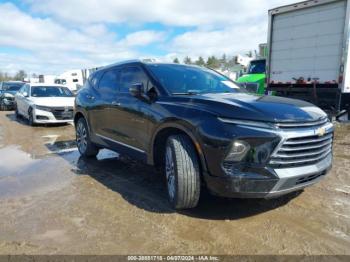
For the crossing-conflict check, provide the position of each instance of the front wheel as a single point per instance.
(31, 117)
(182, 172)
(16, 112)
(85, 146)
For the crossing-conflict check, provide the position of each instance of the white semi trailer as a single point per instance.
(308, 53)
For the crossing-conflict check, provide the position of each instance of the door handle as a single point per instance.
(90, 97)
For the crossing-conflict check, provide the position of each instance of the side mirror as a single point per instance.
(136, 90)
(25, 94)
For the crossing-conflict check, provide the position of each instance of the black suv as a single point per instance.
(203, 130)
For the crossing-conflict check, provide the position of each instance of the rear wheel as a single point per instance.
(85, 146)
(182, 172)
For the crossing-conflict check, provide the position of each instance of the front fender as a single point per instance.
(185, 127)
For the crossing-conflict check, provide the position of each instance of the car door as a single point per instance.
(131, 127)
(105, 101)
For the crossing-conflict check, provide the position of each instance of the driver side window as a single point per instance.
(132, 75)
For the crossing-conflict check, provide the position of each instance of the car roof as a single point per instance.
(141, 61)
(44, 85)
(14, 82)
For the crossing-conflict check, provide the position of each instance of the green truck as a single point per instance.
(255, 78)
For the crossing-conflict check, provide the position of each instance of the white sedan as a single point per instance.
(45, 104)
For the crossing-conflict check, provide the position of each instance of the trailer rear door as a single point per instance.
(307, 43)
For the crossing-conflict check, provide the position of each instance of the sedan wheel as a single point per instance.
(31, 118)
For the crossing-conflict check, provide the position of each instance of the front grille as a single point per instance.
(290, 125)
(310, 178)
(62, 113)
(302, 151)
(299, 181)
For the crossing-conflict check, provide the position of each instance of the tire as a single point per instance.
(182, 172)
(31, 117)
(84, 144)
(17, 115)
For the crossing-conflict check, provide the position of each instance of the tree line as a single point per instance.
(212, 61)
(19, 76)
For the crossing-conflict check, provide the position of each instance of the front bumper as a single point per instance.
(46, 117)
(250, 185)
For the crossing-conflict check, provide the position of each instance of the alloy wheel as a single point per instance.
(170, 172)
(81, 137)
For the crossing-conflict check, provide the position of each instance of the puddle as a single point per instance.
(21, 174)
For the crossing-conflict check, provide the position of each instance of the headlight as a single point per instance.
(253, 151)
(238, 151)
(247, 123)
(6, 101)
(44, 108)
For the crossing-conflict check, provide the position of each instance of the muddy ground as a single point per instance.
(54, 202)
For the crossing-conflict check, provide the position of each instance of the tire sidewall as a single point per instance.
(31, 117)
(172, 148)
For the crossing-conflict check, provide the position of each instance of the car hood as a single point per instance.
(53, 101)
(8, 93)
(253, 107)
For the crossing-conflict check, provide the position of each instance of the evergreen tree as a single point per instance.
(213, 62)
(187, 60)
(176, 61)
(200, 61)
(20, 75)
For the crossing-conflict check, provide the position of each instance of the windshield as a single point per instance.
(257, 67)
(50, 91)
(12, 86)
(182, 79)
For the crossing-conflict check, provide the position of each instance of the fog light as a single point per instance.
(238, 151)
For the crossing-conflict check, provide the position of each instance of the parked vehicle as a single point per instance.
(7, 94)
(255, 78)
(45, 104)
(308, 55)
(204, 130)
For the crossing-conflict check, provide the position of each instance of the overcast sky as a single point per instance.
(52, 36)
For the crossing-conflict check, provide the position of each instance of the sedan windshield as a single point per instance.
(188, 80)
(12, 86)
(50, 91)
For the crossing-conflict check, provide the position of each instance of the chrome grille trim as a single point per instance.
(303, 161)
(322, 144)
(315, 140)
(303, 124)
(302, 147)
(329, 147)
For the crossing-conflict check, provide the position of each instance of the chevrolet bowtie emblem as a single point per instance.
(321, 131)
